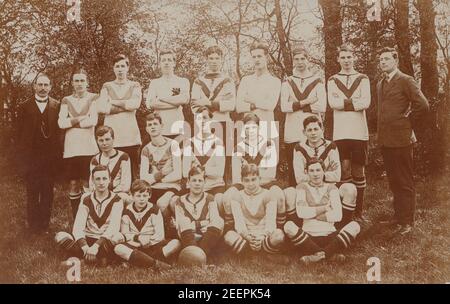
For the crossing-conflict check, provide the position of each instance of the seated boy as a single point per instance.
(142, 231)
(118, 163)
(319, 205)
(254, 212)
(197, 219)
(97, 222)
(316, 146)
(256, 149)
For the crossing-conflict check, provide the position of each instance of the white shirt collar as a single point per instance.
(391, 75)
(37, 97)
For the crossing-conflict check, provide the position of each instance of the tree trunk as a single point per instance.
(428, 49)
(332, 30)
(401, 23)
(285, 52)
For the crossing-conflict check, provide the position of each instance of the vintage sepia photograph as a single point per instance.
(224, 142)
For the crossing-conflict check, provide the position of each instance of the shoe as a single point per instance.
(339, 258)
(160, 266)
(390, 222)
(314, 258)
(361, 219)
(103, 262)
(404, 230)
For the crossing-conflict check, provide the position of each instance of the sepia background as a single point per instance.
(42, 35)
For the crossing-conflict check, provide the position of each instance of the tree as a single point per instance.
(401, 22)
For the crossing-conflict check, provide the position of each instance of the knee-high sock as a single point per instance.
(75, 202)
(141, 259)
(360, 183)
(268, 247)
(343, 239)
(210, 239)
(187, 238)
(304, 243)
(238, 244)
(281, 219)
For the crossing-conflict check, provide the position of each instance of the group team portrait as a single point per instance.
(251, 141)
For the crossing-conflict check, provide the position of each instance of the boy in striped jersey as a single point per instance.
(167, 94)
(142, 230)
(349, 96)
(256, 149)
(78, 117)
(316, 146)
(205, 149)
(197, 218)
(119, 100)
(216, 91)
(160, 160)
(254, 212)
(118, 163)
(97, 222)
(319, 206)
(302, 95)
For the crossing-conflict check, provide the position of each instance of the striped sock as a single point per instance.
(267, 247)
(75, 202)
(360, 183)
(281, 219)
(239, 244)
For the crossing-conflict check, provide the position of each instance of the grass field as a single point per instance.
(422, 257)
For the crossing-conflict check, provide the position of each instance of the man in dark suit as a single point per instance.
(38, 145)
(401, 107)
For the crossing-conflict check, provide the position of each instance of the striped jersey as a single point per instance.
(119, 167)
(308, 198)
(349, 97)
(98, 218)
(327, 151)
(215, 91)
(167, 155)
(79, 139)
(148, 222)
(293, 90)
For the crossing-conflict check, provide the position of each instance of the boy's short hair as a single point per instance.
(345, 48)
(195, 170)
(152, 116)
(260, 45)
(311, 119)
(315, 160)
(99, 168)
(121, 57)
(140, 185)
(300, 50)
(102, 130)
(391, 50)
(204, 108)
(249, 169)
(213, 50)
(167, 52)
(251, 117)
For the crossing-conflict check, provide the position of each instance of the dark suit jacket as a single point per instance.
(401, 108)
(29, 127)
